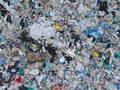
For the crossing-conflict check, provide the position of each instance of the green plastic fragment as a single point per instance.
(47, 13)
(109, 67)
(117, 55)
(40, 11)
(103, 62)
(1, 16)
(117, 19)
(23, 64)
(30, 88)
(36, 89)
(21, 72)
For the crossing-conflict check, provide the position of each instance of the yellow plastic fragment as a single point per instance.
(95, 54)
(79, 59)
(57, 27)
(7, 57)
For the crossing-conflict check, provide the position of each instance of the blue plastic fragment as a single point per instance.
(93, 33)
(65, 70)
(2, 60)
(109, 67)
(95, 67)
(1, 37)
(96, 2)
(84, 72)
(82, 77)
(106, 26)
(89, 31)
(73, 1)
(96, 35)
(88, 14)
(105, 43)
(118, 86)
(48, 67)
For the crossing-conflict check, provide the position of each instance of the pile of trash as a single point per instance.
(59, 44)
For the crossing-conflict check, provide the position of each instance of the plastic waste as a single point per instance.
(2, 60)
(59, 44)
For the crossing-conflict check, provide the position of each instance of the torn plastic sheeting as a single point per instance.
(14, 2)
(58, 44)
(109, 85)
(79, 66)
(31, 71)
(94, 33)
(55, 14)
(39, 78)
(48, 66)
(42, 29)
(102, 25)
(2, 87)
(72, 22)
(16, 58)
(82, 9)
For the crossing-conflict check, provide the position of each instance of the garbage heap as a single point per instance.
(59, 44)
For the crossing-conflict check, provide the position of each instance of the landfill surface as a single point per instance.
(59, 44)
